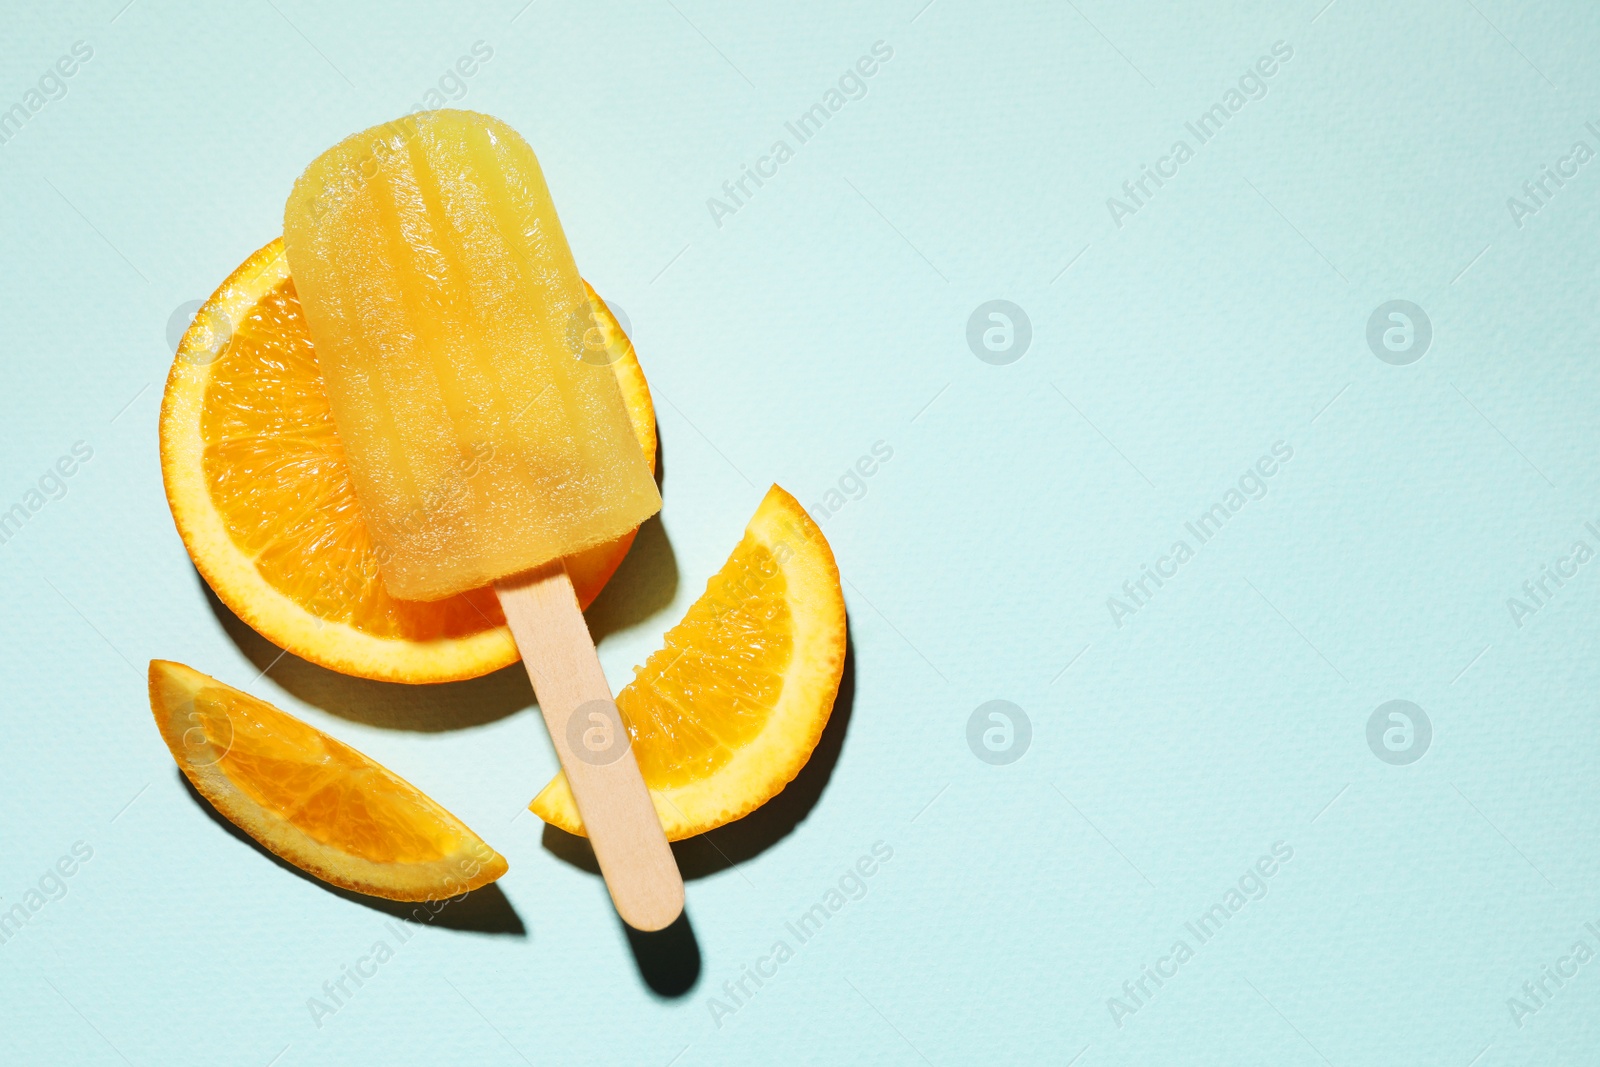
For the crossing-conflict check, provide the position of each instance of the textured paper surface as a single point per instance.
(816, 329)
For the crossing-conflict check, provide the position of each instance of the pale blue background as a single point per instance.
(1227, 314)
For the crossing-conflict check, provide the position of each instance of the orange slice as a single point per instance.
(262, 498)
(318, 803)
(726, 713)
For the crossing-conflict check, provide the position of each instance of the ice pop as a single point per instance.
(439, 290)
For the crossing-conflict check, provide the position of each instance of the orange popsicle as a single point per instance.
(439, 289)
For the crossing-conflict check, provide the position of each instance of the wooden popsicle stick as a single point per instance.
(593, 744)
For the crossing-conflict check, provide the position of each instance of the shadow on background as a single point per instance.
(644, 584)
(390, 705)
(646, 581)
(728, 845)
(668, 960)
(482, 911)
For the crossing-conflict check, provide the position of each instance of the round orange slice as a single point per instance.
(728, 710)
(311, 799)
(262, 497)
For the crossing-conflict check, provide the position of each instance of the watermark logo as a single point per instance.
(1552, 978)
(209, 736)
(338, 991)
(852, 885)
(213, 332)
(1138, 592)
(1538, 193)
(739, 191)
(999, 332)
(587, 335)
(178, 323)
(390, 140)
(596, 733)
(1138, 993)
(1253, 84)
(1399, 732)
(1399, 332)
(50, 886)
(998, 732)
(51, 485)
(852, 484)
(51, 86)
(1553, 577)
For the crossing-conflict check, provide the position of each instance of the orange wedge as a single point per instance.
(262, 498)
(312, 800)
(727, 712)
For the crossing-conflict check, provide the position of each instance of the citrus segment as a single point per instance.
(728, 710)
(309, 798)
(263, 500)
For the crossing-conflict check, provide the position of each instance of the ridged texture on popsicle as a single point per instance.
(440, 295)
